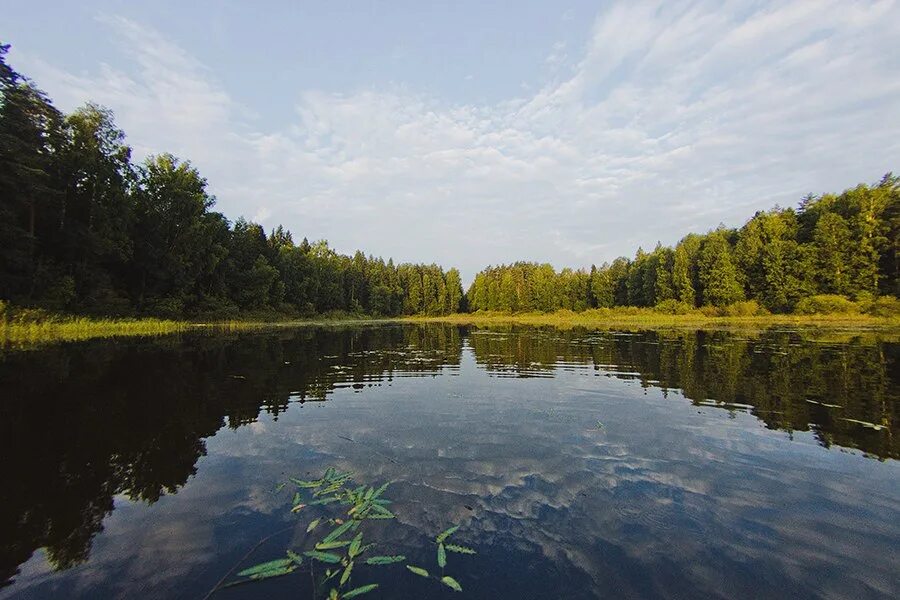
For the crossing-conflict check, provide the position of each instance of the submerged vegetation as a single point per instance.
(343, 551)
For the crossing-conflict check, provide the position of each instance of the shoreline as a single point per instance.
(638, 319)
(27, 334)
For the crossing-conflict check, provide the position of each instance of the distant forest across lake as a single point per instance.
(85, 230)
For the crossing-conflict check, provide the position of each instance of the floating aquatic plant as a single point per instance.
(343, 548)
(442, 548)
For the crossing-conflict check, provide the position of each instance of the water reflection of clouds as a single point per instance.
(659, 498)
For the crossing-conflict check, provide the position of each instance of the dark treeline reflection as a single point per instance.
(843, 388)
(83, 423)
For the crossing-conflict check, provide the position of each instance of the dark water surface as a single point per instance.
(726, 465)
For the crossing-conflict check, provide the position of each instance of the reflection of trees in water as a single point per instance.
(782, 378)
(85, 422)
(88, 421)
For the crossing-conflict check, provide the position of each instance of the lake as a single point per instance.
(577, 464)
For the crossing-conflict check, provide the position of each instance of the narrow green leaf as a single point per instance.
(312, 525)
(328, 490)
(280, 487)
(296, 558)
(324, 501)
(451, 583)
(326, 557)
(377, 509)
(306, 484)
(445, 534)
(331, 545)
(385, 560)
(266, 566)
(353, 551)
(360, 590)
(329, 473)
(333, 594)
(297, 499)
(337, 532)
(380, 490)
(459, 549)
(441, 556)
(274, 573)
(346, 575)
(418, 571)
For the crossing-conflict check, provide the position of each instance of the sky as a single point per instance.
(475, 133)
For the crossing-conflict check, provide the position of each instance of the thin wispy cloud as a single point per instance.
(673, 117)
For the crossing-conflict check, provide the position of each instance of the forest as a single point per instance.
(85, 230)
(830, 250)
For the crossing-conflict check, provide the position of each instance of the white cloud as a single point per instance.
(676, 117)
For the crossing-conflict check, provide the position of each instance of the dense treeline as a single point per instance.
(842, 245)
(83, 229)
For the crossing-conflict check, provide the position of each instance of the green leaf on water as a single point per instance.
(459, 549)
(353, 551)
(380, 510)
(312, 525)
(295, 558)
(306, 484)
(360, 590)
(451, 583)
(331, 545)
(380, 490)
(274, 573)
(324, 501)
(337, 532)
(445, 534)
(346, 575)
(418, 571)
(279, 487)
(266, 566)
(385, 560)
(297, 499)
(326, 557)
(441, 556)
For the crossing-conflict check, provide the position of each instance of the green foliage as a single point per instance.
(717, 272)
(674, 307)
(827, 304)
(745, 308)
(885, 306)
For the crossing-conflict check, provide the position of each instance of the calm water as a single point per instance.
(727, 465)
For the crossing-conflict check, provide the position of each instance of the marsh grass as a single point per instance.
(26, 327)
(629, 318)
(22, 332)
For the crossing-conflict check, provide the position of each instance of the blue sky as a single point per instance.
(474, 133)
